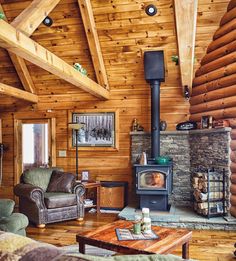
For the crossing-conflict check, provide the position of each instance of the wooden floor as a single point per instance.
(206, 245)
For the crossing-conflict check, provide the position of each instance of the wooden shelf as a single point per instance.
(97, 185)
(91, 206)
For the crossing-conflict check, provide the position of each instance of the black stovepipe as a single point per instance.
(155, 119)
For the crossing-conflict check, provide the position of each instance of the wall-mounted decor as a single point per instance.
(206, 122)
(100, 129)
(85, 175)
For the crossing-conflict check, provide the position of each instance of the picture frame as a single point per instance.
(100, 131)
(85, 175)
(206, 122)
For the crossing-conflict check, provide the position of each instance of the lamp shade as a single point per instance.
(75, 126)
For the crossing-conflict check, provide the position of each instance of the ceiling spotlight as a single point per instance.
(47, 21)
(151, 10)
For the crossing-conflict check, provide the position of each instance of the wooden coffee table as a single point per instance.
(105, 237)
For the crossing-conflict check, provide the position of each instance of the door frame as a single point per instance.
(18, 141)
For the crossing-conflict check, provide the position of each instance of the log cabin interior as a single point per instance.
(119, 108)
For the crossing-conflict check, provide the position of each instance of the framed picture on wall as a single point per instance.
(206, 122)
(85, 175)
(100, 129)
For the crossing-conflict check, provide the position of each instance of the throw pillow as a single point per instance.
(38, 177)
(61, 182)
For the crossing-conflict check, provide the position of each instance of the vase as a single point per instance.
(163, 125)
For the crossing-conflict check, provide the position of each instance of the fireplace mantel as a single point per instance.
(198, 131)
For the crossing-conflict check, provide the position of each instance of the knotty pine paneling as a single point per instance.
(125, 32)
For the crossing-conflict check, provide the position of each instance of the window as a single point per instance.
(35, 145)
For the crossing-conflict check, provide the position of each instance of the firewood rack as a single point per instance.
(216, 206)
(223, 200)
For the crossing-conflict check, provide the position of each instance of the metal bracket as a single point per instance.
(186, 92)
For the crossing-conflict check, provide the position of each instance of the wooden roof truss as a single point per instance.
(16, 39)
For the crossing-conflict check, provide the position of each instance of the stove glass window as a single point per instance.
(152, 180)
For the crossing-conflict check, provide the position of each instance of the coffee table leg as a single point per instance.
(185, 250)
(81, 247)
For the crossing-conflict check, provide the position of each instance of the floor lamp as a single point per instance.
(76, 127)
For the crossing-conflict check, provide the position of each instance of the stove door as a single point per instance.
(151, 179)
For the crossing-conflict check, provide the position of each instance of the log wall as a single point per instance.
(214, 85)
(125, 32)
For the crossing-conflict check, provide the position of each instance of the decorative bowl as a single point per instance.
(163, 160)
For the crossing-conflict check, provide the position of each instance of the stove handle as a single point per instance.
(153, 202)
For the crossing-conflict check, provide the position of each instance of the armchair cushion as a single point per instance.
(59, 200)
(61, 182)
(6, 207)
(38, 177)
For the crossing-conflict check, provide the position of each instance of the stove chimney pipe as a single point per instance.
(154, 74)
(155, 118)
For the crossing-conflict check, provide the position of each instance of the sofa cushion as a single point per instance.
(61, 182)
(38, 177)
(59, 200)
(6, 207)
(14, 247)
(14, 223)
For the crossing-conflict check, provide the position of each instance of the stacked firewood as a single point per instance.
(204, 191)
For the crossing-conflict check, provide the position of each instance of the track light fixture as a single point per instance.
(48, 21)
(151, 10)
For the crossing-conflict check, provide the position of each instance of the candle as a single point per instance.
(137, 225)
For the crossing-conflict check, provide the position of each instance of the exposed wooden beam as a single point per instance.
(185, 20)
(18, 43)
(93, 41)
(21, 68)
(23, 73)
(17, 93)
(29, 20)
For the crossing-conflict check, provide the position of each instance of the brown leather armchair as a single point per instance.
(49, 195)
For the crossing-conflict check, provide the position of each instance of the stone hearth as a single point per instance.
(190, 150)
(182, 217)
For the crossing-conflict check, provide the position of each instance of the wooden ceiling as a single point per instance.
(124, 32)
(65, 51)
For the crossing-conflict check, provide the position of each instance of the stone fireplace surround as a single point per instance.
(189, 150)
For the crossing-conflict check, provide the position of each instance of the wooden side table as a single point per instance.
(97, 185)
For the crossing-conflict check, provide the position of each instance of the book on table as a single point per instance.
(127, 234)
(88, 202)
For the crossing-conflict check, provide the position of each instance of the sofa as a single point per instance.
(9, 221)
(15, 247)
(48, 195)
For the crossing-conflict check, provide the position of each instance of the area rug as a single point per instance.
(89, 250)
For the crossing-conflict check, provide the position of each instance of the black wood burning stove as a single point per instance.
(154, 182)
